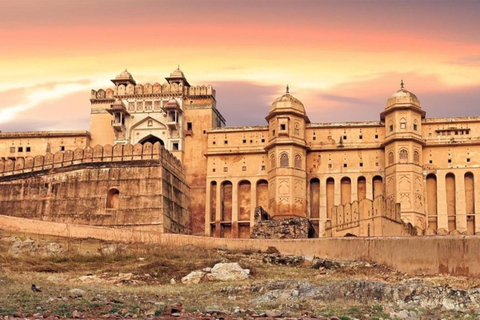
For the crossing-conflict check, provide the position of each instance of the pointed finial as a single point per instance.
(288, 88)
(401, 84)
(178, 68)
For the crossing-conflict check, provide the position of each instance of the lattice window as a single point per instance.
(403, 155)
(390, 158)
(416, 157)
(284, 159)
(272, 161)
(298, 161)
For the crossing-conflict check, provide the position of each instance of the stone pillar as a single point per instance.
(234, 209)
(442, 218)
(476, 186)
(369, 186)
(253, 204)
(218, 211)
(460, 208)
(208, 209)
(338, 191)
(354, 186)
(323, 208)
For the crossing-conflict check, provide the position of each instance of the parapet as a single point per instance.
(160, 90)
(98, 154)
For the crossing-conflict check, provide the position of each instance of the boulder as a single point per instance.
(194, 277)
(228, 271)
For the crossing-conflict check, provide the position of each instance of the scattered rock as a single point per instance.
(228, 272)
(220, 272)
(194, 277)
(112, 248)
(76, 293)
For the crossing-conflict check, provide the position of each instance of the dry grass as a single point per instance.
(148, 290)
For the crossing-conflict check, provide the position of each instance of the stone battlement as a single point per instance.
(380, 216)
(156, 89)
(97, 154)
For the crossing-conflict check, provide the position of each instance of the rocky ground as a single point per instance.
(94, 279)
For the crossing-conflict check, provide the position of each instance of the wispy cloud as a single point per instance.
(37, 95)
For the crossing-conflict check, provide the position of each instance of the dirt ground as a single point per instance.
(97, 279)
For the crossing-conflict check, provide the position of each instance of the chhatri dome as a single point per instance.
(287, 101)
(402, 97)
(177, 73)
(125, 75)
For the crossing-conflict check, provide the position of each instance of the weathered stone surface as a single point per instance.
(194, 277)
(406, 295)
(220, 272)
(146, 194)
(289, 228)
(227, 272)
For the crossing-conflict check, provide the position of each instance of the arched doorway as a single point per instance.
(152, 139)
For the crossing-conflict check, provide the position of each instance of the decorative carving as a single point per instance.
(390, 157)
(298, 188)
(405, 200)
(403, 156)
(416, 157)
(284, 159)
(272, 161)
(298, 161)
(404, 183)
(283, 187)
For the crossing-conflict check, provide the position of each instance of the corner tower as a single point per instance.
(287, 153)
(403, 155)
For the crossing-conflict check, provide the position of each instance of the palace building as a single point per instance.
(425, 171)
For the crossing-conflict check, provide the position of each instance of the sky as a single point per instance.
(342, 59)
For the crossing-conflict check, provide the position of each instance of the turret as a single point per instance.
(403, 155)
(287, 154)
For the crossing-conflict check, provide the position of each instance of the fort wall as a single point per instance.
(455, 255)
(133, 186)
(378, 217)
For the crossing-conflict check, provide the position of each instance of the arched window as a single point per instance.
(298, 161)
(403, 155)
(272, 161)
(390, 158)
(416, 157)
(284, 159)
(112, 198)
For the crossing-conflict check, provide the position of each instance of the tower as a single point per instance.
(403, 152)
(287, 153)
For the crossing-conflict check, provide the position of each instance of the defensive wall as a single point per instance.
(133, 186)
(378, 217)
(455, 255)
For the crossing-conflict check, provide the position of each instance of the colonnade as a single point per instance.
(452, 202)
(231, 205)
(328, 191)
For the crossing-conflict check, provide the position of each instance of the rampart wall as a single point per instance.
(377, 217)
(135, 186)
(455, 255)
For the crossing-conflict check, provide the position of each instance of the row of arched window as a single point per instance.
(403, 156)
(285, 161)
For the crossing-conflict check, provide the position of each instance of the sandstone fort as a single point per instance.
(158, 157)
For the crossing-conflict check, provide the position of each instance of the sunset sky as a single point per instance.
(342, 59)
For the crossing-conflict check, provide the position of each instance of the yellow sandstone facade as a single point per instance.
(290, 166)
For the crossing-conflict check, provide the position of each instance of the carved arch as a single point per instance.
(284, 159)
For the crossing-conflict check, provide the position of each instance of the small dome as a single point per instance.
(124, 75)
(177, 74)
(287, 101)
(403, 97)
